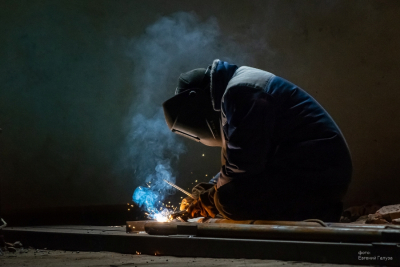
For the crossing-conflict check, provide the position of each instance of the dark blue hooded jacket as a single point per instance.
(276, 134)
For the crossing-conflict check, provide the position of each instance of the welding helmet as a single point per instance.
(190, 112)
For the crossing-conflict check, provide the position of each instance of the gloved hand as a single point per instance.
(203, 204)
(197, 209)
(186, 203)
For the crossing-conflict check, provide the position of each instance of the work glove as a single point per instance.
(196, 191)
(203, 203)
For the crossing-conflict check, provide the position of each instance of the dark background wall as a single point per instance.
(70, 81)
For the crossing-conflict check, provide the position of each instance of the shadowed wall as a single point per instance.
(67, 88)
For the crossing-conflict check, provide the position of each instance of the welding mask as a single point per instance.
(190, 112)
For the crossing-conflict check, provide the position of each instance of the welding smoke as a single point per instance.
(170, 46)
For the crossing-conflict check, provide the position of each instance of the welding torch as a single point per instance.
(182, 216)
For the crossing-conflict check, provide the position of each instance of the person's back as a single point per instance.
(283, 156)
(282, 148)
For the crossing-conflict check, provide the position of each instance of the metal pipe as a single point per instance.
(257, 222)
(360, 226)
(296, 223)
(138, 226)
(275, 232)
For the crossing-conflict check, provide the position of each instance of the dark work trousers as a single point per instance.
(286, 196)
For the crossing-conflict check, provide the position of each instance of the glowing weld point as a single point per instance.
(161, 218)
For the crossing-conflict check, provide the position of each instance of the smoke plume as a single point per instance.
(170, 46)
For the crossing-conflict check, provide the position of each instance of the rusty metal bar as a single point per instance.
(257, 222)
(299, 223)
(138, 226)
(179, 188)
(273, 232)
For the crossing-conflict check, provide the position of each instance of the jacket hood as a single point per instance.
(221, 73)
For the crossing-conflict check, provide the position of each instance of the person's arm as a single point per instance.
(248, 124)
(203, 204)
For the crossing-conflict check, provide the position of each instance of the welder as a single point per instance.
(283, 156)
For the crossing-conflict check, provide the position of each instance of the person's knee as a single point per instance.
(230, 203)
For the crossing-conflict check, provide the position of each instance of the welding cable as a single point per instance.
(4, 224)
(317, 221)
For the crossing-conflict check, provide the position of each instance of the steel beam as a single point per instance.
(387, 254)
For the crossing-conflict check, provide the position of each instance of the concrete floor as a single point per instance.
(55, 258)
